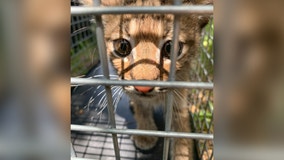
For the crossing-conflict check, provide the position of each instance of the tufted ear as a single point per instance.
(203, 20)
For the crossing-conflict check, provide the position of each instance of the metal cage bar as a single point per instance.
(141, 132)
(170, 98)
(168, 84)
(198, 9)
(104, 62)
(177, 10)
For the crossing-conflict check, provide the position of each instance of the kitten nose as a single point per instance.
(143, 89)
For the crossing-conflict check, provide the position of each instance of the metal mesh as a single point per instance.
(201, 101)
(98, 145)
(83, 44)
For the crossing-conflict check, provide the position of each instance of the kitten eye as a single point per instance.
(122, 47)
(166, 50)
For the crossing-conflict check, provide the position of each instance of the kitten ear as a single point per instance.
(203, 20)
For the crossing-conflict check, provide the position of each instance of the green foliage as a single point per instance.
(83, 57)
(204, 70)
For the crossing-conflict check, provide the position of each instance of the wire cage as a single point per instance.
(101, 121)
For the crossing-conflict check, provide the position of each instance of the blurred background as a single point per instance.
(249, 79)
(34, 83)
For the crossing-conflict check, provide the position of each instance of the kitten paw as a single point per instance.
(145, 143)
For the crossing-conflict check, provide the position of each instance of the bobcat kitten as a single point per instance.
(139, 48)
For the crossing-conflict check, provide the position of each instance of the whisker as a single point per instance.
(81, 29)
(96, 76)
(115, 90)
(117, 93)
(103, 91)
(84, 92)
(100, 76)
(91, 100)
(115, 102)
(118, 97)
(103, 99)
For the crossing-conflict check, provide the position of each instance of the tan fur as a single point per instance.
(147, 33)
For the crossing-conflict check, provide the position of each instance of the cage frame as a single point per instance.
(176, 10)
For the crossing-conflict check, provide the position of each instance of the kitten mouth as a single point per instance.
(145, 95)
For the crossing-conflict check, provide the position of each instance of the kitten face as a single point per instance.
(139, 46)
